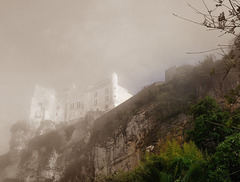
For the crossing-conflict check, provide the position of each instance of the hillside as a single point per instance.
(117, 140)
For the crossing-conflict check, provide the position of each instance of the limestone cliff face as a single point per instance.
(123, 147)
(80, 152)
(124, 150)
(21, 132)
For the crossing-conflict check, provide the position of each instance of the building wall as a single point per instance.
(43, 105)
(123, 95)
(76, 106)
(71, 104)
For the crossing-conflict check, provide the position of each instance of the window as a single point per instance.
(95, 102)
(95, 94)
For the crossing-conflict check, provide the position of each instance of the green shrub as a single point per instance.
(225, 163)
(178, 163)
(211, 124)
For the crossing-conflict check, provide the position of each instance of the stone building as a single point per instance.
(71, 104)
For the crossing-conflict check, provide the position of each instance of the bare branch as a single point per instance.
(187, 20)
(206, 51)
(230, 1)
(209, 12)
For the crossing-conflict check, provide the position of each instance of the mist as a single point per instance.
(55, 43)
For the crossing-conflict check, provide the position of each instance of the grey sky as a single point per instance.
(56, 42)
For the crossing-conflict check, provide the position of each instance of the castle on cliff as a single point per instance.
(71, 104)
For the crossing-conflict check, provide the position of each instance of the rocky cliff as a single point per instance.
(106, 143)
(99, 144)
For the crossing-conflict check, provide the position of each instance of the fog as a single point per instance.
(55, 42)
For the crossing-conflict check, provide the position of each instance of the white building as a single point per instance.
(71, 104)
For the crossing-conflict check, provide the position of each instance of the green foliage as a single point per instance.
(211, 124)
(233, 95)
(183, 162)
(178, 163)
(225, 163)
(213, 130)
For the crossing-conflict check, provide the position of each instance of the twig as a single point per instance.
(222, 125)
(209, 12)
(188, 20)
(230, 1)
(235, 172)
(236, 153)
(223, 5)
(199, 12)
(201, 52)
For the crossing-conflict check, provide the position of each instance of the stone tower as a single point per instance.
(43, 105)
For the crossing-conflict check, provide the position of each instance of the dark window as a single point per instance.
(95, 102)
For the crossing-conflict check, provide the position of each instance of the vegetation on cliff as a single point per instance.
(174, 164)
(215, 124)
(209, 151)
(214, 157)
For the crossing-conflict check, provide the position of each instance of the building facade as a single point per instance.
(71, 104)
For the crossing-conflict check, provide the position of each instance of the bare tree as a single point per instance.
(223, 15)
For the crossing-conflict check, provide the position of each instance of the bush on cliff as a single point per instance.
(215, 130)
(212, 124)
(225, 162)
(178, 163)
